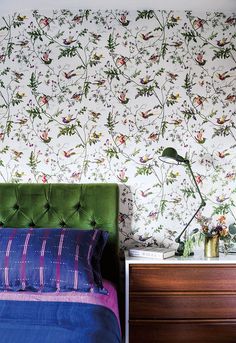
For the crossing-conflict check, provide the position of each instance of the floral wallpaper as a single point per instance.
(96, 96)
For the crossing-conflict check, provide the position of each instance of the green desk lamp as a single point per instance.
(170, 155)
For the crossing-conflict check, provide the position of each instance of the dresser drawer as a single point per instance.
(182, 306)
(154, 277)
(182, 332)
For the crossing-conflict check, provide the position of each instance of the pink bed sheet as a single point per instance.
(109, 300)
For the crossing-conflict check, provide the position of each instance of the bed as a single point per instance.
(69, 230)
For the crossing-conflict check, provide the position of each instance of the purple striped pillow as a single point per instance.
(48, 260)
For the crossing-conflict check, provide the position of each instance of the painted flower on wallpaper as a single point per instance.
(95, 97)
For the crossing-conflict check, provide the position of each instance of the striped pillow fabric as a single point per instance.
(48, 260)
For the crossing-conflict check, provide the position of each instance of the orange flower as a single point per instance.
(224, 232)
(221, 219)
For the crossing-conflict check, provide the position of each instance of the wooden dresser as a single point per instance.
(187, 300)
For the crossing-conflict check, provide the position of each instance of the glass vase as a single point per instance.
(211, 246)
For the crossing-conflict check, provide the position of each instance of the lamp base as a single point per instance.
(180, 249)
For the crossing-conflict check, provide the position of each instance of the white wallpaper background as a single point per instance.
(96, 96)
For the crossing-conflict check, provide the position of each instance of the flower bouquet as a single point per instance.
(210, 232)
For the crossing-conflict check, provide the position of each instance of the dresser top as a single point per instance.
(198, 258)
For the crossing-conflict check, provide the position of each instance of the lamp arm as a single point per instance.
(195, 182)
(177, 240)
(203, 203)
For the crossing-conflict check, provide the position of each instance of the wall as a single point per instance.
(205, 5)
(95, 97)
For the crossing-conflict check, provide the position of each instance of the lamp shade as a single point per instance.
(170, 155)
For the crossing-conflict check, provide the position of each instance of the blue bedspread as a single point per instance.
(56, 322)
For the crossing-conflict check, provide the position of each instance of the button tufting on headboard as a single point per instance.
(47, 206)
(78, 206)
(16, 207)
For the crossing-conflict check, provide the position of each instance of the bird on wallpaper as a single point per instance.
(176, 121)
(231, 176)
(223, 76)
(175, 19)
(147, 36)
(18, 76)
(223, 119)
(198, 23)
(69, 153)
(177, 200)
(122, 217)
(154, 58)
(122, 175)
(45, 21)
(222, 42)
(199, 179)
(171, 233)
(76, 175)
(45, 58)
(96, 135)
(177, 44)
(97, 57)
(198, 100)
(231, 20)
(20, 95)
(22, 121)
(99, 83)
(172, 76)
(231, 98)
(67, 119)
(145, 159)
(153, 137)
(17, 154)
(68, 75)
(43, 100)
(174, 97)
(77, 96)
(146, 193)
(123, 20)
(221, 198)
(95, 36)
(200, 59)
(152, 215)
(2, 58)
(18, 174)
(78, 19)
(145, 80)
(121, 139)
(123, 99)
(147, 114)
(99, 160)
(23, 43)
(143, 238)
(200, 137)
(45, 136)
(223, 154)
(44, 178)
(21, 17)
(69, 40)
(95, 115)
(121, 61)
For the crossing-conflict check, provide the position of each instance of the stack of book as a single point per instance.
(152, 252)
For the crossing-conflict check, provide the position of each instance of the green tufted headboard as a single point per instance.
(83, 206)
